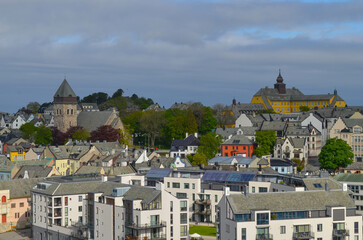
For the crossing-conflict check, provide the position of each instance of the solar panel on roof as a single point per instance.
(158, 173)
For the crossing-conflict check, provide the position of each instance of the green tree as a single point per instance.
(43, 136)
(209, 122)
(300, 164)
(118, 93)
(266, 141)
(28, 131)
(118, 102)
(81, 135)
(304, 108)
(98, 98)
(336, 153)
(199, 158)
(152, 123)
(33, 107)
(209, 145)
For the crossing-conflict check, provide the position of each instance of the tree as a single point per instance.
(304, 108)
(43, 135)
(152, 123)
(81, 135)
(71, 131)
(266, 141)
(209, 145)
(118, 102)
(59, 137)
(98, 98)
(199, 158)
(209, 122)
(336, 153)
(118, 93)
(300, 164)
(105, 132)
(28, 131)
(33, 107)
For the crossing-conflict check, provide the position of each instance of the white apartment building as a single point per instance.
(104, 210)
(316, 215)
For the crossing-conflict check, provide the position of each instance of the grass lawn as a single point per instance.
(203, 230)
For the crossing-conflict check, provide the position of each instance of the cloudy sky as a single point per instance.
(179, 50)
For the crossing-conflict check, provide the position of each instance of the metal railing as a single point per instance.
(160, 224)
(303, 235)
(264, 236)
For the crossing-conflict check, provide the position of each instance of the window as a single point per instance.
(193, 185)
(17, 215)
(356, 227)
(186, 185)
(216, 198)
(171, 218)
(183, 206)
(262, 189)
(183, 218)
(183, 230)
(282, 229)
(66, 201)
(262, 218)
(79, 208)
(181, 195)
(79, 198)
(253, 189)
(13, 205)
(320, 227)
(168, 184)
(244, 235)
(21, 204)
(3, 199)
(66, 211)
(171, 206)
(176, 185)
(193, 196)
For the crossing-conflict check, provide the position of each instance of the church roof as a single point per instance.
(65, 90)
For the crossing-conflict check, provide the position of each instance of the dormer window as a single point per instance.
(357, 130)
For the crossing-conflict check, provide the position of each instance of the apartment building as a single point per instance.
(83, 208)
(288, 215)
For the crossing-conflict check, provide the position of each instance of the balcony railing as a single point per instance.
(303, 235)
(154, 237)
(147, 226)
(264, 237)
(203, 202)
(340, 233)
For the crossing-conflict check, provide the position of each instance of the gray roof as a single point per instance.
(69, 152)
(289, 201)
(33, 171)
(355, 166)
(349, 177)
(73, 188)
(298, 142)
(226, 132)
(65, 90)
(142, 193)
(238, 140)
(274, 126)
(92, 120)
(350, 123)
(319, 183)
(19, 188)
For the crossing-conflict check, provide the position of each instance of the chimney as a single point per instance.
(345, 187)
(186, 135)
(326, 187)
(226, 191)
(104, 178)
(196, 135)
(246, 191)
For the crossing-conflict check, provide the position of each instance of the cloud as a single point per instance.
(209, 51)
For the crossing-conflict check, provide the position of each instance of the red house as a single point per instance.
(238, 145)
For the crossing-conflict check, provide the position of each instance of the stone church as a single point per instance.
(67, 112)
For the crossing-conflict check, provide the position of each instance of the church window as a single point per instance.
(72, 111)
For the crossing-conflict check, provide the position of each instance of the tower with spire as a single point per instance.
(65, 107)
(280, 85)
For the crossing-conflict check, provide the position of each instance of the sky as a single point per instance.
(208, 51)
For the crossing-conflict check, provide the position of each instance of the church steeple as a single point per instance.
(280, 85)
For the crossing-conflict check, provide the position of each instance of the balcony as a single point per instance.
(147, 226)
(202, 202)
(264, 237)
(340, 233)
(154, 237)
(302, 235)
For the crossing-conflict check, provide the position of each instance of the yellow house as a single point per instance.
(287, 100)
(69, 158)
(15, 153)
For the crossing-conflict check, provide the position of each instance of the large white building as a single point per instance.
(288, 215)
(68, 208)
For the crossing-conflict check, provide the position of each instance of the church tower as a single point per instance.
(65, 107)
(280, 85)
